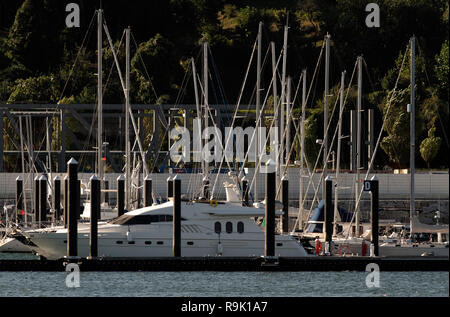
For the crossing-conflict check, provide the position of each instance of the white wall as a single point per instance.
(427, 186)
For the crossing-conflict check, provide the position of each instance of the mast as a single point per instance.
(288, 119)
(283, 92)
(358, 144)
(302, 149)
(49, 161)
(127, 120)
(412, 209)
(258, 110)
(205, 106)
(99, 94)
(22, 154)
(325, 110)
(338, 159)
(277, 115)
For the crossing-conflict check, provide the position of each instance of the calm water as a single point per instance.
(222, 284)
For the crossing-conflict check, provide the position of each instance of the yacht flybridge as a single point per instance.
(207, 229)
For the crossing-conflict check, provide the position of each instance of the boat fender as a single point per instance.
(363, 248)
(129, 236)
(318, 246)
(213, 203)
(219, 248)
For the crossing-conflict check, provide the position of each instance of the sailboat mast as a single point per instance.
(277, 114)
(412, 209)
(325, 110)
(302, 148)
(127, 119)
(99, 94)
(283, 94)
(258, 110)
(338, 159)
(196, 124)
(358, 144)
(205, 105)
(288, 119)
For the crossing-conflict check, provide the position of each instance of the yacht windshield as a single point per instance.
(141, 219)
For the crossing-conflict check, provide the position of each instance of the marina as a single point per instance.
(311, 179)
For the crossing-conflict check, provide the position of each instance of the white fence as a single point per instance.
(427, 186)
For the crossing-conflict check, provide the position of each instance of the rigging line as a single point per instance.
(70, 74)
(292, 146)
(380, 134)
(212, 118)
(279, 101)
(319, 155)
(220, 88)
(258, 164)
(237, 107)
(328, 155)
(425, 65)
(78, 54)
(112, 65)
(258, 119)
(218, 79)
(242, 88)
(129, 110)
(115, 56)
(283, 136)
(367, 73)
(429, 84)
(254, 89)
(184, 83)
(145, 68)
(291, 107)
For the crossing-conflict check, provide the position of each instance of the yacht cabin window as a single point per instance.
(240, 227)
(141, 219)
(229, 227)
(217, 227)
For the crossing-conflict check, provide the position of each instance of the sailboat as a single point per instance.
(391, 243)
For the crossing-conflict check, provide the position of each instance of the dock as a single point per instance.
(183, 264)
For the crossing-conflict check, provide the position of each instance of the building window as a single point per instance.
(240, 227)
(229, 227)
(217, 227)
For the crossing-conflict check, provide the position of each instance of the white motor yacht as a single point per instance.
(207, 229)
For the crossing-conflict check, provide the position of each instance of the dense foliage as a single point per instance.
(37, 53)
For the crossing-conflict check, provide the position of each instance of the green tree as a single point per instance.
(42, 89)
(442, 71)
(429, 147)
(33, 39)
(33, 90)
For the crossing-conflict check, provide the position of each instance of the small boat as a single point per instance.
(13, 245)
